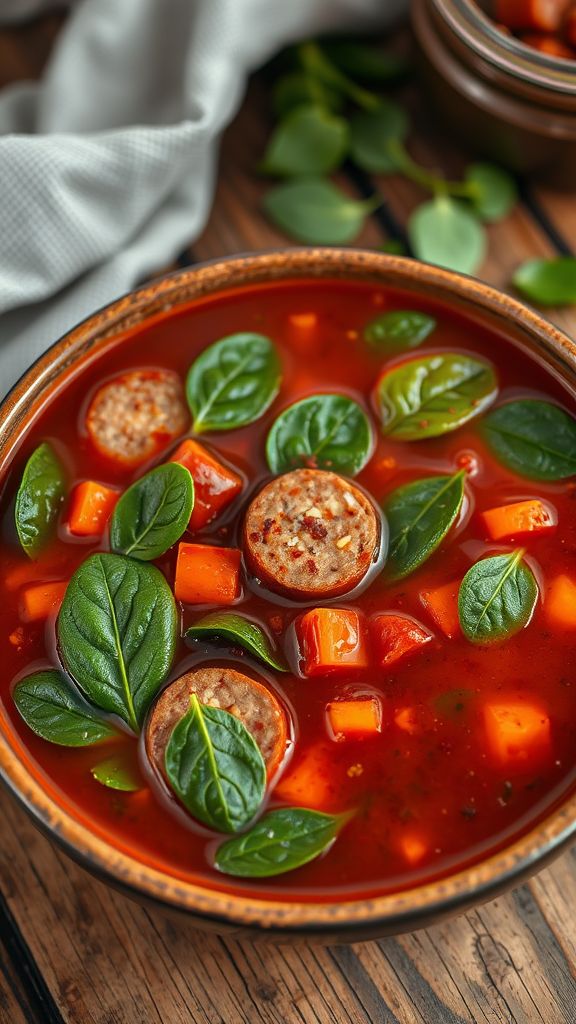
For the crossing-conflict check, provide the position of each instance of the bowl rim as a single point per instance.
(395, 911)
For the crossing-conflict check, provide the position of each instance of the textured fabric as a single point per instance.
(108, 164)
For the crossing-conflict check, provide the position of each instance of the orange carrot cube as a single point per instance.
(355, 718)
(207, 575)
(551, 45)
(395, 636)
(406, 719)
(413, 848)
(41, 600)
(518, 734)
(215, 485)
(331, 638)
(91, 506)
(541, 15)
(302, 332)
(509, 521)
(442, 604)
(560, 602)
(309, 782)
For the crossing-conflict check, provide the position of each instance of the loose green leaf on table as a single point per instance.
(419, 516)
(117, 772)
(233, 381)
(239, 631)
(370, 135)
(533, 438)
(153, 513)
(215, 767)
(281, 841)
(308, 141)
(493, 191)
(445, 232)
(54, 710)
(497, 598)
(39, 499)
(314, 211)
(117, 632)
(548, 282)
(399, 329)
(298, 89)
(326, 431)
(431, 395)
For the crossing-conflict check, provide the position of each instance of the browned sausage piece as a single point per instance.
(256, 707)
(135, 415)
(311, 534)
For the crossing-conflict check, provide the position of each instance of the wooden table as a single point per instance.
(72, 950)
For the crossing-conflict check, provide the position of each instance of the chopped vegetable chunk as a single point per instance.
(517, 734)
(331, 638)
(542, 15)
(395, 636)
(39, 601)
(413, 848)
(510, 521)
(207, 574)
(442, 604)
(215, 485)
(355, 718)
(560, 603)
(405, 718)
(309, 780)
(90, 509)
(302, 331)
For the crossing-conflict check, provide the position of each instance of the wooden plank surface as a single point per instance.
(74, 951)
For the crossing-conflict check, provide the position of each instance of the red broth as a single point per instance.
(436, 791)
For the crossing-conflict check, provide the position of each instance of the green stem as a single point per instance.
(421, 176)
(317, 64)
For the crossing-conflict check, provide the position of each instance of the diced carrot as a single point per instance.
(517, 734)
(331, 638)
(540, 15)
(215, 484)
(355, 718)
(570, 26)
(442, 604)
(90, 509)
(560, 602)
(405, 718)
(413, 848)
(394, 636)
(39, 601)
(207, 574)
(302, 332)
(510, 521)
(551, 45)
(310, 782)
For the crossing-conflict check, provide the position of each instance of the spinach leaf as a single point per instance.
(419, 517)
(54, 710)
(370, 135)
(399, 329)
(314, 211)
(533, 438)
(445, 232)
(433, 394)
(330, 431)
(117, 633)
(153, 513)
(239, 631)
(215, 767)
(39, 498)
(281, 841)
(493, 191)
(497, 598)
(308, 141)
(298, 89)
(117, 772)
(233, 382)
(548, 282)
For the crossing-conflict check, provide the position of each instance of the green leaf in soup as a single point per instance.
(326, 431)
(314, 211)
(434, 394)
(419, 516)
(153, 513)
(298, 89)
(364, 62)
(309, 141)
(399, 329)
(548, 282)
(233, 382)
(533, 438)
(281, 841)
(370, 134)
(215, 768)
(54, 710)
(39, 499)
(117, 632)
(497, 598)
(239, 631)
(445, 232)
(493, 191)
(117, 772)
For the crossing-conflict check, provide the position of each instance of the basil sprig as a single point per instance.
(399, 329)
(233, 382)
(548, 282)
(533, 438)
(435, 394)
(54, 710)
(117, 633)
(329, 431)
(419, 515)
(215, 767)
(281, 841)
(309, 140)
(153, 513)
(497, 598)
(39, 499)
(316, 212)
(239, 631)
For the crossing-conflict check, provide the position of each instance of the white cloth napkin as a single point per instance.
(107, 166)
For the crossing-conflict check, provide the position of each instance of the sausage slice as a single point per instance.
(311, 534)
(136, 414)
(256, 707)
